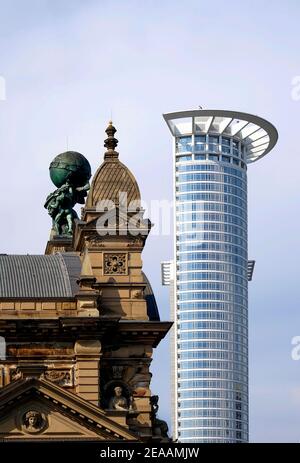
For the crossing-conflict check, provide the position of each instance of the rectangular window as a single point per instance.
(200, 157)
(213, 157)
(235, 144)
(235, 148)
(213, 148)
(244, 152)
(200, 138)
(213, 139)
(213, 143)
(183, 144)
(226, 149)
(183, 158)
(226, 141)
(225, 145)
(200, 142)
(225, 158)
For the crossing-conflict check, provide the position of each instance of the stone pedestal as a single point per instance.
(59, 244)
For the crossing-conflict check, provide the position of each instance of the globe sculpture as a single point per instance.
(70, 172)
(71, 166)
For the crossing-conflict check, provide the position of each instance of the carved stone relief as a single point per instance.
(60, 377)
(33, 421)
(118, 371)
(94, 241)
(135, 242)
(14, 374)
(115, 263)
(137, 294)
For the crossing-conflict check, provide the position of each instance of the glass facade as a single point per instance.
(211, 289)
(210, 270)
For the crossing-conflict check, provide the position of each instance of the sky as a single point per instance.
(69, 66)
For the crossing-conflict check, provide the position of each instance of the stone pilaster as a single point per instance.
(87, 354)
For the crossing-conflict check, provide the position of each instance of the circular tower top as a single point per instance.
(258, 135)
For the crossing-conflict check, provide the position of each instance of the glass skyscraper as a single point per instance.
(210, 271)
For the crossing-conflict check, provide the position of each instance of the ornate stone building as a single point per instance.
(80, 322)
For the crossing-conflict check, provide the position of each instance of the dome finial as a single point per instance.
(111, 142)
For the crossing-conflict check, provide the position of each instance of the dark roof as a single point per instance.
(152, 309)
(50, 276)
(39, 276)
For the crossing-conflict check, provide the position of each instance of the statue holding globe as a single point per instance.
(70, 172)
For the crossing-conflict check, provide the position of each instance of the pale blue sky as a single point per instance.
(69, 64)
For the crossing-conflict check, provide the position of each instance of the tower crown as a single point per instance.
(257, 136)
(112, 177)
(111, 142)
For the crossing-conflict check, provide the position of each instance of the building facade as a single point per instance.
(211, 270)
(78, 324)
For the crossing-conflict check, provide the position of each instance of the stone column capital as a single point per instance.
(87, 347)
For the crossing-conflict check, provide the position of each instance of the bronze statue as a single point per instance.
(60, 205)
(70, 172)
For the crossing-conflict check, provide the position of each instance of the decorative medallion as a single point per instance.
(115, 264)
(33, 422)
